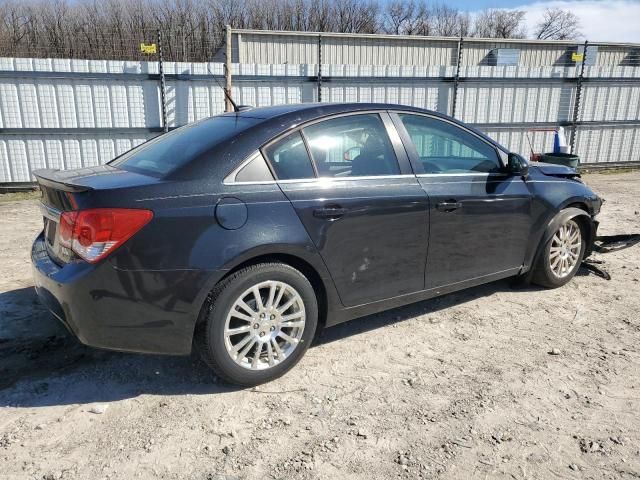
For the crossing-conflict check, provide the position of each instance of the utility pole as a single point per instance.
(456, 78)
(163, 93)
(319, 80)
(227, 68)
(576, 103)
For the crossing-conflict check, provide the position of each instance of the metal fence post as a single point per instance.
(576, 104)
(319, 68)
(456, 78)
(163, 97)
(228, 57)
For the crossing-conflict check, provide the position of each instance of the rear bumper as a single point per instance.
(126, 310)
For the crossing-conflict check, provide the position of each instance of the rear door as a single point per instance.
(351, 184)
(480, 215)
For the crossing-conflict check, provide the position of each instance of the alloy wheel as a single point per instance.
(564, 252)
(264, 325)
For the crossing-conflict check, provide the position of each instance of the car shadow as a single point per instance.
(41, 364)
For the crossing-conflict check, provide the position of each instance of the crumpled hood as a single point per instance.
(554, 170)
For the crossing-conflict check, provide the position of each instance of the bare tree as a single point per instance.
(194, 29)
(356, 16)
(400, 16)
(449, 22)
(558, 24)
(498, 23)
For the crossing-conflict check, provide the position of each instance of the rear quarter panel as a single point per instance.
(189, 234)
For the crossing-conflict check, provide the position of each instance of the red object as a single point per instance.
(93, 234)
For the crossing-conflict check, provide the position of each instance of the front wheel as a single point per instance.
(561, 256)
(260, 323)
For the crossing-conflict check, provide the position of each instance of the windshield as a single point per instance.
(165, 153)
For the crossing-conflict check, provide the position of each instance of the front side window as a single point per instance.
(351, 146)
(289, 158)
(445, 148)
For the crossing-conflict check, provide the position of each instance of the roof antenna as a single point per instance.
(227, 95)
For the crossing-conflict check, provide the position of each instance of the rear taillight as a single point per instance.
(93, 234)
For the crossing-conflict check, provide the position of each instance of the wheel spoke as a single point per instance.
(292, 316)
(554, 264)
(256, 356)
(575, 234)
(241, 316)
(236, 348)
(278, 299)
(270, 356)
(286, 306)
(247, 348)
(234, 331)
(299, 323)
(242, 304)
(258, 297)
(272, 292)
(277, 349)
(287, 338)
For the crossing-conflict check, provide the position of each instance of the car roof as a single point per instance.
(317, 110)
(288, 115)
(270, 122)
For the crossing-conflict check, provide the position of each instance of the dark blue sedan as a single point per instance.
(246, 232)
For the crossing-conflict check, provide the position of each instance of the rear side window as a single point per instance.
(254, 171)
(168, 152)
(289, 158)
(352, 146)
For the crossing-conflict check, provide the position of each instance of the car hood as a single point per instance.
(553, 170)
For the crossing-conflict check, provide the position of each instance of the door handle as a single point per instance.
(449, 206)
(330, 212)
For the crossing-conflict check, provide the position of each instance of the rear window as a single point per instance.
(165, 153)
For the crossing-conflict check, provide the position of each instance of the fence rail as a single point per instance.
(68, 113)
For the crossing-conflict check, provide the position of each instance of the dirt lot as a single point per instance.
(488, 383)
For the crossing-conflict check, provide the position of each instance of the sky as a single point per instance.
(601, 21)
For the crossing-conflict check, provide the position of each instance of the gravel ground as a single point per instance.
(487, 383)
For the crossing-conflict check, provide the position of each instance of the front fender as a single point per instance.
(568, 214)
(587, 221)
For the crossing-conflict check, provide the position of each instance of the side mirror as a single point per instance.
(517, 165)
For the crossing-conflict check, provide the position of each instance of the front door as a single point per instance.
(365, 211)
(480, 215)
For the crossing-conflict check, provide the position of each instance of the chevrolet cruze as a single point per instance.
(244, 233)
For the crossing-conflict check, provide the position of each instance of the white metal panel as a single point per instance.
(120, 103)
(21, 154)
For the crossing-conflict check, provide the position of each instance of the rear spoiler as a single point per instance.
(48, 177)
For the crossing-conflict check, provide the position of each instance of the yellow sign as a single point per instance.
(577, 57)
(149, 49)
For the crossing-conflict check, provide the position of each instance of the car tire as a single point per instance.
(236, 324)
(560, 257)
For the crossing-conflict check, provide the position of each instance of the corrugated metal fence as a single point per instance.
(64, 114)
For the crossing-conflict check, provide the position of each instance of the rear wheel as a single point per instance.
(260, 323)
(561, 256)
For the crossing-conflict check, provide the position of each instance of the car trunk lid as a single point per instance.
(64, 191)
